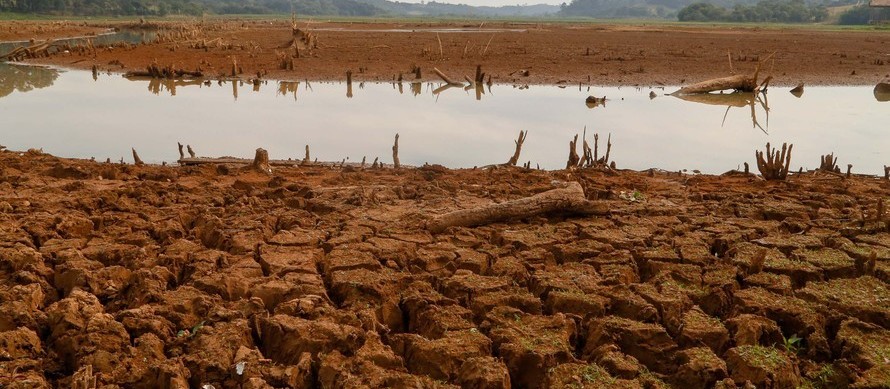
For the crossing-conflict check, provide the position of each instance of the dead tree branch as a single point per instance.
(519, 141)
(395, 153)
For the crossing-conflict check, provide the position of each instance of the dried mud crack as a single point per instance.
(176, 277)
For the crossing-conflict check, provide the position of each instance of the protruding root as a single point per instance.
(774, 166)
(567, 199)
(519, 141)
(828, 163)
(261, 161)
(395, 153)
(136, 159)
(84, 378)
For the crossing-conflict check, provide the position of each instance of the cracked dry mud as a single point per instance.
(173, 277)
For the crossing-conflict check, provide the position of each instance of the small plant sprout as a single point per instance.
(792, 343)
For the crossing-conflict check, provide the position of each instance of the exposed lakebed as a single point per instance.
(71, 114)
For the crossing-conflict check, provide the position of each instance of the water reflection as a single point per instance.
(456, 127)
(733, 100)
(24, 78)
(882, 92)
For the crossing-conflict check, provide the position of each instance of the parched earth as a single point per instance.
(314, 277)
(523, 53)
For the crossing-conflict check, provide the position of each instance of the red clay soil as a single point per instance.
(123, 276)
(596, 54)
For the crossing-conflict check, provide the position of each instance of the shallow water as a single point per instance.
(69, 114)
(129, 36)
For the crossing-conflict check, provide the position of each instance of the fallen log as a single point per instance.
(567, 199)
(738, 82)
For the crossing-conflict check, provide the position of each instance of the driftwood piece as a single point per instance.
(774, 166)
(136, 160)
(519, 141)
(445, 78)
(395, 153)
(569, 199)
(261, 161)
(739, 82)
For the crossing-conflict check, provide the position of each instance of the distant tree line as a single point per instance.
(776, 11)
(187, 7)
(863, 14)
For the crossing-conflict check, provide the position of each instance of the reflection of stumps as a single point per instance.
(395, 153)
(261, 161)
(306, 159)
(136, 159)
(191, 152)
(797, 91)
(349, 83)
(181, 154)
(515, 158)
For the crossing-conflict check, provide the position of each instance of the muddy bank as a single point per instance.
(177, 277)
(596, 54)
(27, 30)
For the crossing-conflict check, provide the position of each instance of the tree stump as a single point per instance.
(261, 161)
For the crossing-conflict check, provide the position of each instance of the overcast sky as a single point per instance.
(494, 3)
